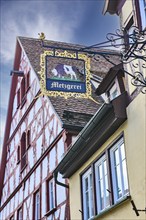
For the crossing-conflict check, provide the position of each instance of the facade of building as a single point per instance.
(106, 164)
(41, 125)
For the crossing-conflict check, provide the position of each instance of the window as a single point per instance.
(22, 88)
(18, 97)
(87, 186)
(23, 150)
(119, 171)
(51, 194)
(18, 154)
(20, 214)
(109, 178)
(28, 139)
(37, 205)
(113, 92)
(27, 80)
(102, 188)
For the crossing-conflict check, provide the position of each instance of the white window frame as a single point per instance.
(88, 213)
(51, 194)
(122, 176)
(102, 185)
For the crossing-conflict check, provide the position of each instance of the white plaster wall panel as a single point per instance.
(23, 127)
(36, 87)
(46, 112)
(44, 168)
(52, 161)
(60, 149)
(23, 109)
(47, 136)
(9, 207)
(14, 104)
(59, 127)
(30, 116)
(23, 174)
(30, 207)
(17, 139)
(37, 176)
(11, 184)
(57, 214)
(24, 210)
(39, 122)
(62, 213)
(31, 183)
(39, 147)
(27, 205)
(20, 196)
(12, 204)
(29, 97)
(43, 202)
(60, 191)
(2, 214)
(51, 139)
(33, 130)
(6, 175)
(11, 146)
(16, 200)
(17, 174)
(38, 104)
(26, 189)
(55, 126)
(30, 157)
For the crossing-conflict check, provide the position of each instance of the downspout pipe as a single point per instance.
(55, 174)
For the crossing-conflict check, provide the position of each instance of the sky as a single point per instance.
(72, 21)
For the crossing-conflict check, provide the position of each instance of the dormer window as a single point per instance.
(112, 85)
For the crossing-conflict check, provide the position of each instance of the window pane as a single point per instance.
(116, 154)
(125, 178)
(88, 208)
(102, 195)
(118, 181)
(119, 170)
(122, 152)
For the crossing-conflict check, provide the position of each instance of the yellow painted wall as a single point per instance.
(135, 145)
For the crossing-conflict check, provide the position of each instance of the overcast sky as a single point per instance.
(78, 21)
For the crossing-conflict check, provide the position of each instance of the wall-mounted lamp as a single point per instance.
(17, 73)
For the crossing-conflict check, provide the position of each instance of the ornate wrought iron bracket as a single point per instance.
(132, 52)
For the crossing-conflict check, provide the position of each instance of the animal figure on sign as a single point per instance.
(65, 71)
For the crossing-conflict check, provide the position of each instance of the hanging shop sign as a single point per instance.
(65, 73)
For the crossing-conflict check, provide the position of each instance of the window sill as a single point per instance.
(121, 201)
(50, 212)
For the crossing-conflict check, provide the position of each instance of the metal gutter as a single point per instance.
(82, 137)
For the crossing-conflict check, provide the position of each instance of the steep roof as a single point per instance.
(34, 47)
(74, 113)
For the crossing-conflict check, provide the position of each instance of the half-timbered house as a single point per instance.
(39, 130)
